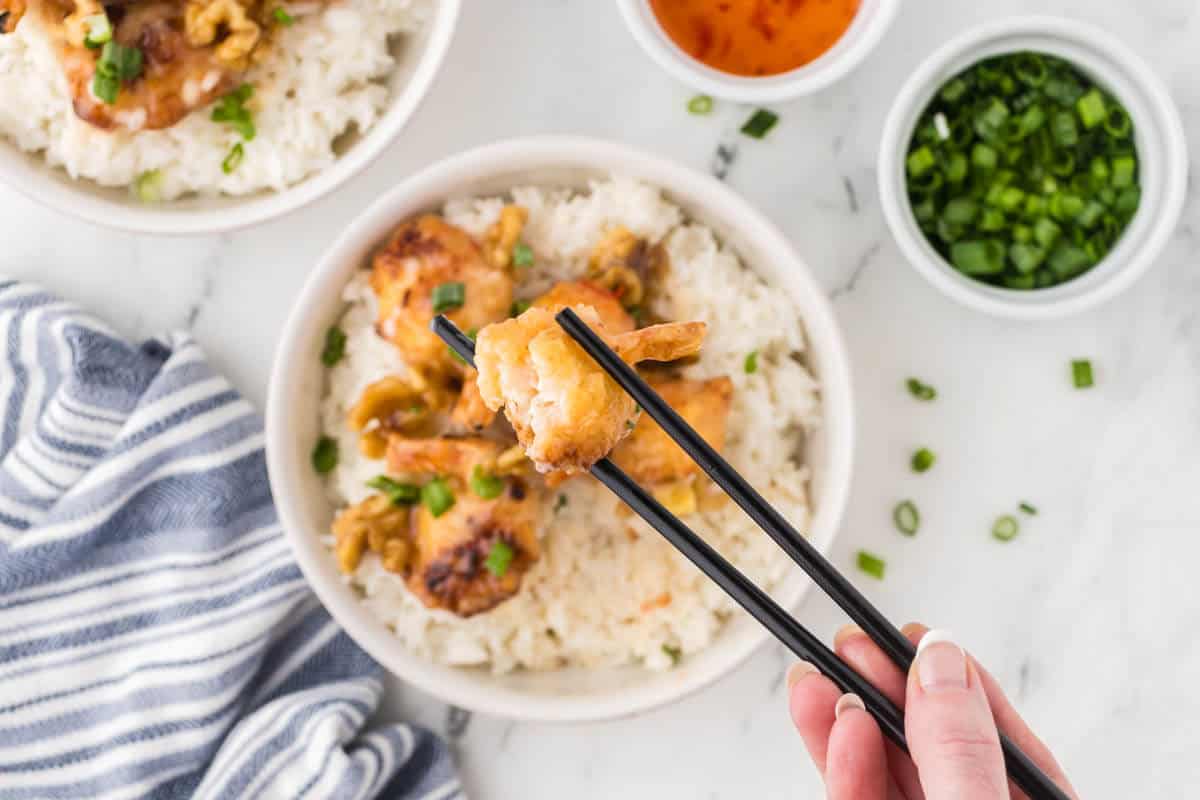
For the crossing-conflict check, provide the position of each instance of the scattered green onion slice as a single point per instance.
(751, 363)
(1028, 509)
(906, 517)
(560, 503)
(522, 255)
(518, 308)
(401, 494)
(335, 346)
(921, 391)
(117, 64)
(231, 109)
(673, 653)
(923, 459)
(283, 17)
(447, 296)
(700, 104)
(1022, 172)
(437, 496)
(233, 159)
(1081, 373)
(760, 123)
(486, 485)
(99, 31)
(325, 455)
(871, 564)
(499, 558)
(1006, 528)
(147, 187)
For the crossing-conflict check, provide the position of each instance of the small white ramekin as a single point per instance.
(1161, 149)
(868, 27)
(298, 382)
(411, 78)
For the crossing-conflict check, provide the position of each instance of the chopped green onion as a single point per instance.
(233, 159)
(522, 255)
(906, 517)
(499, 558)
(673, 653)
(283, 17)
(871, 564)
(437, 496)
(560, 503)
(979, 257)
(116, 64)
(921, 391)
(920, 161)
(1028, 509)
(231, 109)
(922, 460)
(518, 308)
(1081, 373)
(760, 123)
(750, 366)
(447, 296)
(1005, 528)
(147, 187)
(700, 104)
(325, 455)
(99, 31)
(485, 485)
(401, 494)
(335, 346)
(1091, 109)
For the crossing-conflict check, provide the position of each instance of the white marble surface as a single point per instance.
(1089, 618)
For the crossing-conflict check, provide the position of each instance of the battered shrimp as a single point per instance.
(573, 293)
(473, 555)
(566, 411)
(650, 456)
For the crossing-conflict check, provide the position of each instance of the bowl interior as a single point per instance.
(298, 384)
(416, 59)
(1119, 78)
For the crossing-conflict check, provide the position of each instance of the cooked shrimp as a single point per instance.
(474, 556)
(573, 293)
(650, 456)
(176, 77)
(566, 411)
(443, 455)
(421, 255)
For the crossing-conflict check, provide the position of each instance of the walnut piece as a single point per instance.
(374, 524)
(205, 20)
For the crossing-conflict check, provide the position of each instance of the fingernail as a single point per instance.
(845, 632)
(848, 701)
(941, 664)
(798, 672)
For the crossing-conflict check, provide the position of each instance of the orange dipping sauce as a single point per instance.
(755, 37)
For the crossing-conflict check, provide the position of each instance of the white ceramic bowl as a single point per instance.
(298, 382)
(868, 27)
(1162, 162)
(417, 62)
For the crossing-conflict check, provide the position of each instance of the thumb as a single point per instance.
(951, 735)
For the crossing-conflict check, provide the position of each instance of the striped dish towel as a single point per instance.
(156, 638)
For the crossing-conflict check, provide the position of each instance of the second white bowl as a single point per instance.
(1161, 149)
(298, 382)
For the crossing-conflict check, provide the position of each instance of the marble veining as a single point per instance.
(1088, 619)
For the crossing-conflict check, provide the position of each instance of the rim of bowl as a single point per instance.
(255, 209)
(1165, 162)
(286, 456)
(870, 23)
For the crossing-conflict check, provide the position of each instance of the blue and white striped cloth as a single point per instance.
(156, 638)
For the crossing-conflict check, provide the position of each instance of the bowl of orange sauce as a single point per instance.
(758, 51)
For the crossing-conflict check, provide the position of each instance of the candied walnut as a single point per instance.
(393, 404)
(371, 524)
(623, 282)
(397, 554)
(206, 20)
(626, 264)
(503, 235)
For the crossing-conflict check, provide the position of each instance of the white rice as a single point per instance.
(582, 603)
(320, 78)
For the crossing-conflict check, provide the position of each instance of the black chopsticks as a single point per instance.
(1023, 772)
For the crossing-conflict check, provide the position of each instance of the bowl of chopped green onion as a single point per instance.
(1033, 167)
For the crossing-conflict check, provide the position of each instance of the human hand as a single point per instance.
(951, 709)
